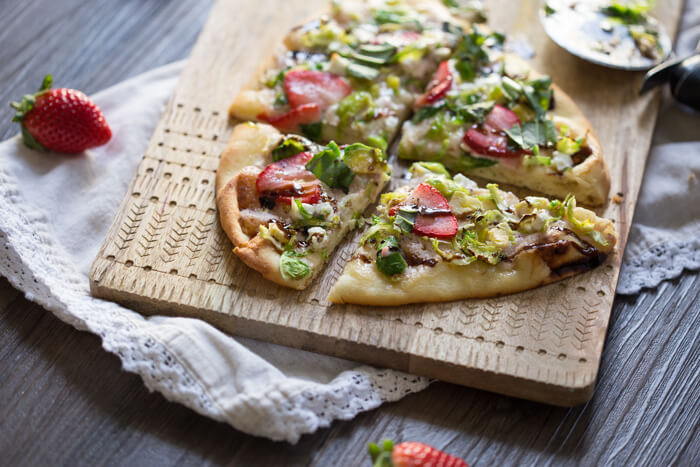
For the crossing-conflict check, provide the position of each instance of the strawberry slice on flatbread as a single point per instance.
(301, 115)
(314, 87)
(490, 138)
(286, 179)
(438, 86)
(434, 219)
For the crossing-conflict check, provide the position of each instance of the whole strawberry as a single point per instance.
(60, 120)
(411, 454)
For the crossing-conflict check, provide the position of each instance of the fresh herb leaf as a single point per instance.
(405, 219)
(329, 167)
(291, 267)
(390, 261)
(427, 112)
(534, 133)
(312, 130)
(289, 147)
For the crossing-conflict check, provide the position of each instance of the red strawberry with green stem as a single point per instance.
(411, 454)
(60, 120)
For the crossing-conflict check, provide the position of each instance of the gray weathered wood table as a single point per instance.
(65, 401)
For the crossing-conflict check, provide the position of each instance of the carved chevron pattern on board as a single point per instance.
(215, 252)
(131, 224)
(197, 239)
(586, 322)
(175, 239)
(154, 230)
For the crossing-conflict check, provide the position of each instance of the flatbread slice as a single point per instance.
(441, 238)
(486, 113)
(352, 76)
(286, 202)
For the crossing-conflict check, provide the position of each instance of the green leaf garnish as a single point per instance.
(287, 148)
(329, 167)
(291, 267)
(390, 261)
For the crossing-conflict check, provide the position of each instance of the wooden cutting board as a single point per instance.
(166, 253)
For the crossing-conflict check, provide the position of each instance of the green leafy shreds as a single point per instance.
(378, 142)
(469, 242)
(405, 219)
(474, 113)
(427, 112)
(312, 130)
(390, 261)
(569, 146)
(445, 186)
(293, 268)
(413, 51)
(539, 132)
(287, 148)
(628, 12)
(308, 219)
(364, 159)
(434, 167)
(329, 167)
(586, 226)
(378, 230)
(470, 52)
(354, 105)
(538, 93)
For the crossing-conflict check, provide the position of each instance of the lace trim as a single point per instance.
(661, 262)
(34, 263)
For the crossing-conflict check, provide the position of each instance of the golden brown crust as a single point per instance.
(249, 145)
(362, 284)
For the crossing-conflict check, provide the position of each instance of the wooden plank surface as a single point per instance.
(67, 402)
(166, 253)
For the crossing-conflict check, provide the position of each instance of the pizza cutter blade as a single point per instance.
(581, 28)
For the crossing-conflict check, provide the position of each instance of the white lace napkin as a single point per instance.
(55, 211)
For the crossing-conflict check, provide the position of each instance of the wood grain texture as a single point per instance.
(166, 253)
(67, 402)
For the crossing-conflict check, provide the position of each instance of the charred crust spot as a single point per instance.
(582, 154)
(267, 202)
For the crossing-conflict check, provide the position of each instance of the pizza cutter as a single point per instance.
(683, 77)
(583, 28)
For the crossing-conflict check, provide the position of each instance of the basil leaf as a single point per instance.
(291, 267)
(329, 167)
(312, 130)
(390, 261)
(287, 148)
(538, 93)
(405, 219)
(534, 133)
(427, 112)
(475, 112)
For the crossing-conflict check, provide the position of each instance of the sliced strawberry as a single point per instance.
(301, 115)
(286, 179)
(490, 138)
(413, 454)
(501, 118)
(438, 86)
(314, 87)
(435, 219)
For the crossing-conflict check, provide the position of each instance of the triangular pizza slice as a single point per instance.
(286, 203)
(488, 114)
(352, 76)
(441, 238)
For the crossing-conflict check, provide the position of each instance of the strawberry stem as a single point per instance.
(381, 455)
